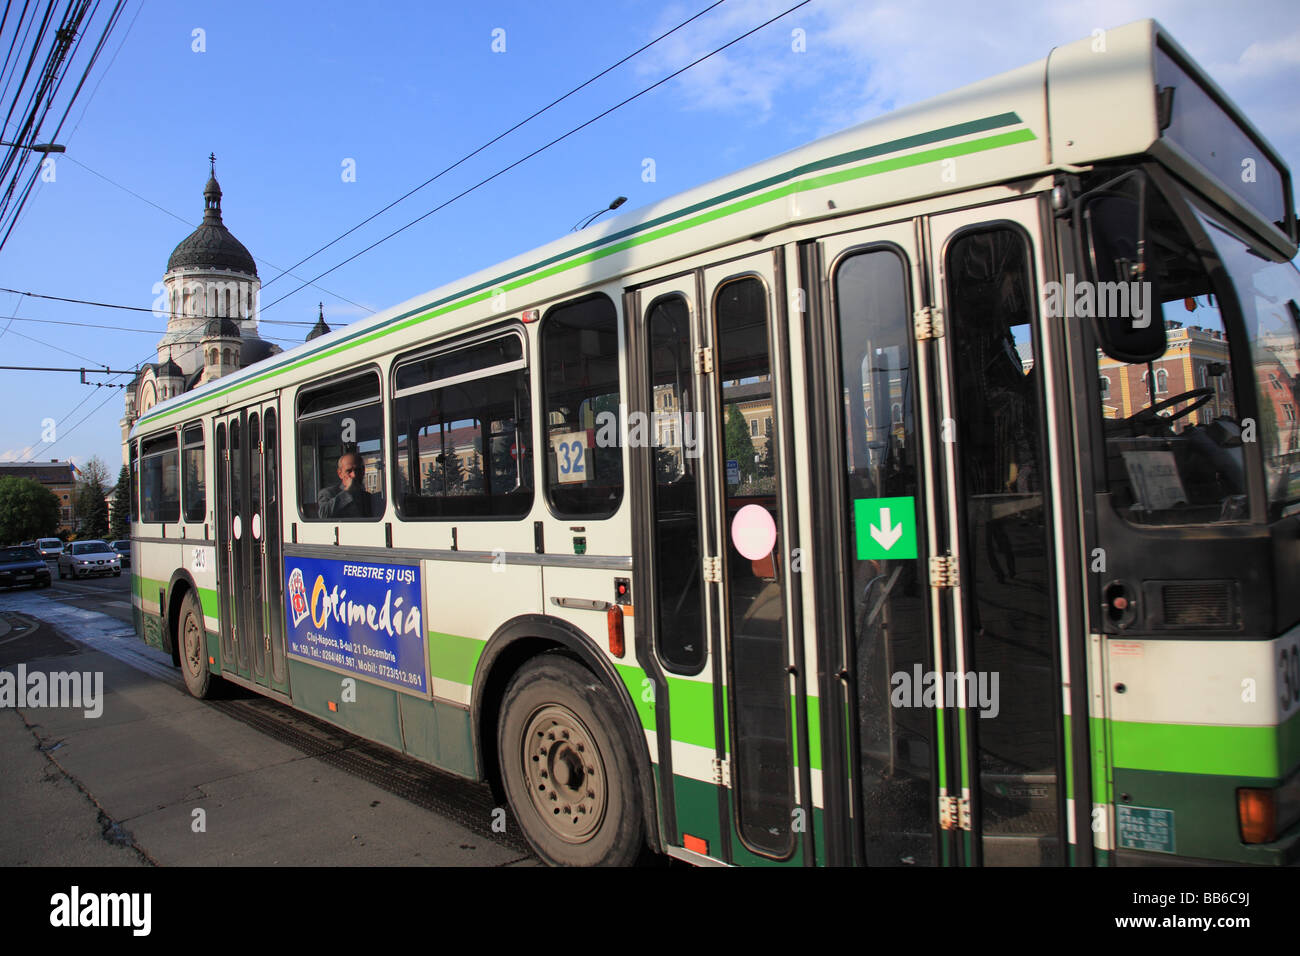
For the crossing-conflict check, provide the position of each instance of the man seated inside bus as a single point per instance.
(349, 498)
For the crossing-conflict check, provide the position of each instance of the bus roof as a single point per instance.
(1085, 102)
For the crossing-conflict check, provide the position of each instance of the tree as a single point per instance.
(474, 475)
(120, 525)
(453, 473)
(91, 511)
(740, 447)
(28, 510)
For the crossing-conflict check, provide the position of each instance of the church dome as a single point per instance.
(223, 328)
(212, 246)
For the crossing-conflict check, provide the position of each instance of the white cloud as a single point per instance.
(864, 60)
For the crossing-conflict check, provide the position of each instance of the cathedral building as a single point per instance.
(210, 293)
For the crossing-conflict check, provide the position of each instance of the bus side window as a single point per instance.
(462, 439)
(160, 488)
(584, 457)
(341, 450)
(196, 503)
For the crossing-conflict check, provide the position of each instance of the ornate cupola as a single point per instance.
(320, 328)
(212, 245)
(210, 294)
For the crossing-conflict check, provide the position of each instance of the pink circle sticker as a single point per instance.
(237, 527)
(257, 526)
(753, 532)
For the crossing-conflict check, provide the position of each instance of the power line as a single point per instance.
(540, 149)
(67, 42)
(496, 139)
(51, 345)
(71, 428)
(117, 328)
(312, 283)
(130, 26)
(137, 308)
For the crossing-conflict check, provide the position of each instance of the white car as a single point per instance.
(83, 558)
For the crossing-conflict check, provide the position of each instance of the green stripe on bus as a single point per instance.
(147, 590)
(454, 658)
(814, 733)
(640, 689)
(1267, 752)
(544, 269)
(692, 711)
(1099, 730)
(210, 602)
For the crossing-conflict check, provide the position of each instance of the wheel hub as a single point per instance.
(565, 773)
(193, 643)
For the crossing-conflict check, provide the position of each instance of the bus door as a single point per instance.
(712, 345)
(872, 530)
(998, 565)
(248, 543)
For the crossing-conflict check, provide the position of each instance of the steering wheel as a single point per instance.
(1149, 416)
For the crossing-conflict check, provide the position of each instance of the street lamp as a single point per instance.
(587, 221)
(39, 147)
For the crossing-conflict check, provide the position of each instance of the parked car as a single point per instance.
(123, 548)
(84, 558)
(49, 547)
(23, 567)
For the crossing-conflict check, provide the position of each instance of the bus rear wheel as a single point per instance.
(566, 768)
(192, 638)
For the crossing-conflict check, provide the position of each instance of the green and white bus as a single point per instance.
(927, 495)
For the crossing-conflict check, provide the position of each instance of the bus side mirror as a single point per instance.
(1121, 291)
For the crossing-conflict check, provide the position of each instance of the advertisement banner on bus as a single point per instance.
(357, 618)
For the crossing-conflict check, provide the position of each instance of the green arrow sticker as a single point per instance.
(885, 527)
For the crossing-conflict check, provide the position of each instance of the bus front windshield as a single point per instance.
(1269, 295)
(1171, 413)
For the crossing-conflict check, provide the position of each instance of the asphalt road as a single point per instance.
(159, 778)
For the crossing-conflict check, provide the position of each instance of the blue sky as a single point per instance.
(285, 92)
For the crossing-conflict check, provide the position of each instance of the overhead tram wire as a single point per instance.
(540, 149)
(495, 139)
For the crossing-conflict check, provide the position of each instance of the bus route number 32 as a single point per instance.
(571, 456)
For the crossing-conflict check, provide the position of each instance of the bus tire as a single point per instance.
(566, 768)
(192, 639)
